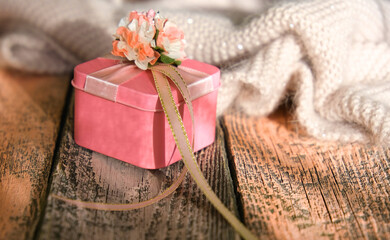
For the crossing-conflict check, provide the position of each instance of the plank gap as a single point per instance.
(232, 169)
(54, 161)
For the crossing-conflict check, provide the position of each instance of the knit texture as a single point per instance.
(333, 56)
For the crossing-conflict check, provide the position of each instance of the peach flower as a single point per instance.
(170, 38)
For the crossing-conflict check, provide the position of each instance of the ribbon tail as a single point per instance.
(177, 79)
(126, 206)
(180, 135)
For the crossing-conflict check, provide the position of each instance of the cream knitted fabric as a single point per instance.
(334, 55)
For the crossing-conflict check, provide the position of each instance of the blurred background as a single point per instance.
(52, 36)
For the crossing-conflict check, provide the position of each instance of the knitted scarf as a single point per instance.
(333, 56)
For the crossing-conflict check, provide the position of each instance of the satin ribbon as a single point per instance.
(161, 73)
(106, 83)
(184, 146)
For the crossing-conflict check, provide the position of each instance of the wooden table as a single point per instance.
(281, 183)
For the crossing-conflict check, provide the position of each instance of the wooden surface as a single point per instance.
(295, 187)
(30, 112)
(283, 184)
(89, 176)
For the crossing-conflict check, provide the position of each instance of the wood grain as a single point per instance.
(30, 113)
(295, 187)
(89, 176)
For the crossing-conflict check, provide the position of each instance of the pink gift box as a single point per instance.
(118, 112)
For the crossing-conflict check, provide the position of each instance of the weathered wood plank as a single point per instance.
(296, 187)
(89, 176)
(30, 112)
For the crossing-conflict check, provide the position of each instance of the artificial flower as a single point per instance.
(170, 38)
(146, 38)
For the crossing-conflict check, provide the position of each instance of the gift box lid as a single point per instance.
(129, 85)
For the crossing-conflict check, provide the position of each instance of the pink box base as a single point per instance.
(142, 138)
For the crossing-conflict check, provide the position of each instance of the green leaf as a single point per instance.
(166, 59)
(177, 63)
(158, 49)
(156, 36)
